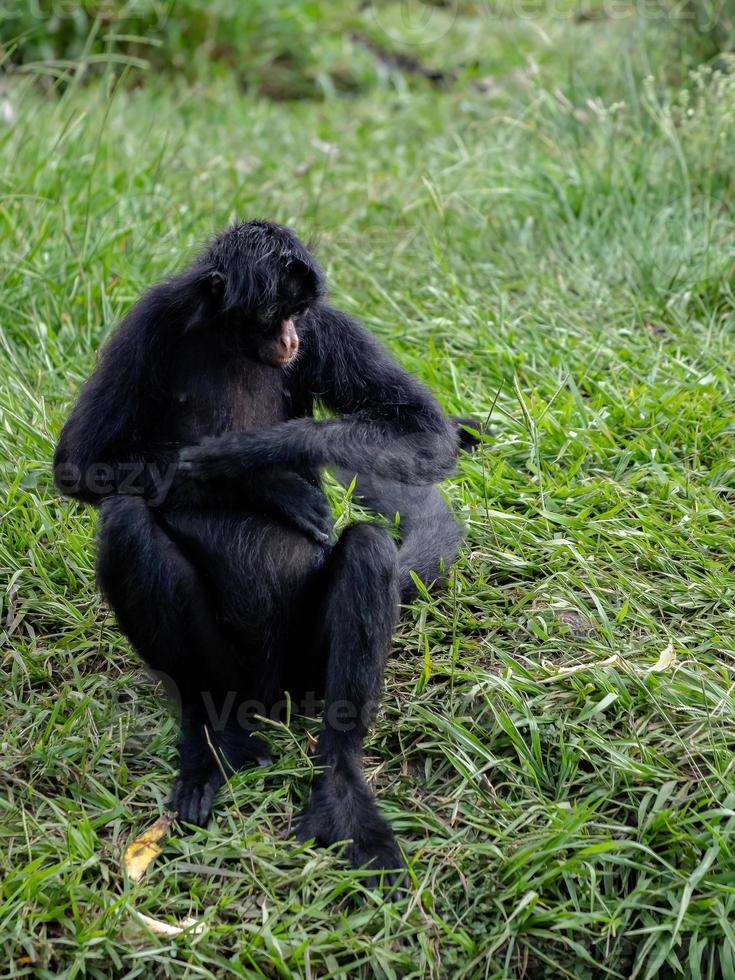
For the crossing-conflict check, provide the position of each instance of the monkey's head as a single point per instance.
(261, 278)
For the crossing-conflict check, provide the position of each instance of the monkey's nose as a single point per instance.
(288, 341)
(287, 346)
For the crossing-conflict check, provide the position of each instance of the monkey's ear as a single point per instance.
(216, 283)
(300, 278)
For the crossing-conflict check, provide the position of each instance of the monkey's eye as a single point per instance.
(266, 320)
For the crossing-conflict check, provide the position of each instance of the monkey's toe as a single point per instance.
(192, 797)
(382, 862)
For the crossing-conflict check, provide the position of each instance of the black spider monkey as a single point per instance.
(194, 436)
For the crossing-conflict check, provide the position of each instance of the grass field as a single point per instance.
(551, 247)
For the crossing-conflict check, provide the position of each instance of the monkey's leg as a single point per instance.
(161, 605)
(358, 616)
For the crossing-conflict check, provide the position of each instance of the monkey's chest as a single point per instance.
(221, 398)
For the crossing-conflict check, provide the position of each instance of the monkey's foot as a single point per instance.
(348, 813)
(201, 774)
(193, 794)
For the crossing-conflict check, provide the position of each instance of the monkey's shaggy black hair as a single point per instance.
(195, 435)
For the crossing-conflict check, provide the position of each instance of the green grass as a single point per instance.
(556, 252)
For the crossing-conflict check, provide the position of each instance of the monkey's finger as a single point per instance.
(320, 537)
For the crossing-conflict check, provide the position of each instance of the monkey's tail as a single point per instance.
(429, 530)
(430, 534)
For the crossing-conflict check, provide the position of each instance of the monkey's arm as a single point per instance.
(390, 424)
(100, 451)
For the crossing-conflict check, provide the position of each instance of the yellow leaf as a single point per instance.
(666, 659)
(167, 929)
(590, 665)
(144, 849)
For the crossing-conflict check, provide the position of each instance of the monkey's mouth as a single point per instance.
(283, 360)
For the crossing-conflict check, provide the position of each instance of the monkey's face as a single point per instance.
(268, 333)
(279, 345)
(275, 325)
(261, 280)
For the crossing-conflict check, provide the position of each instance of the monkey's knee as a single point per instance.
(365, 537)
(121, 519)
(120, 512)
(368, 548)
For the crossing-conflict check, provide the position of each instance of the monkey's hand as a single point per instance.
(468, 441)
(299, 502)
(226, 465)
